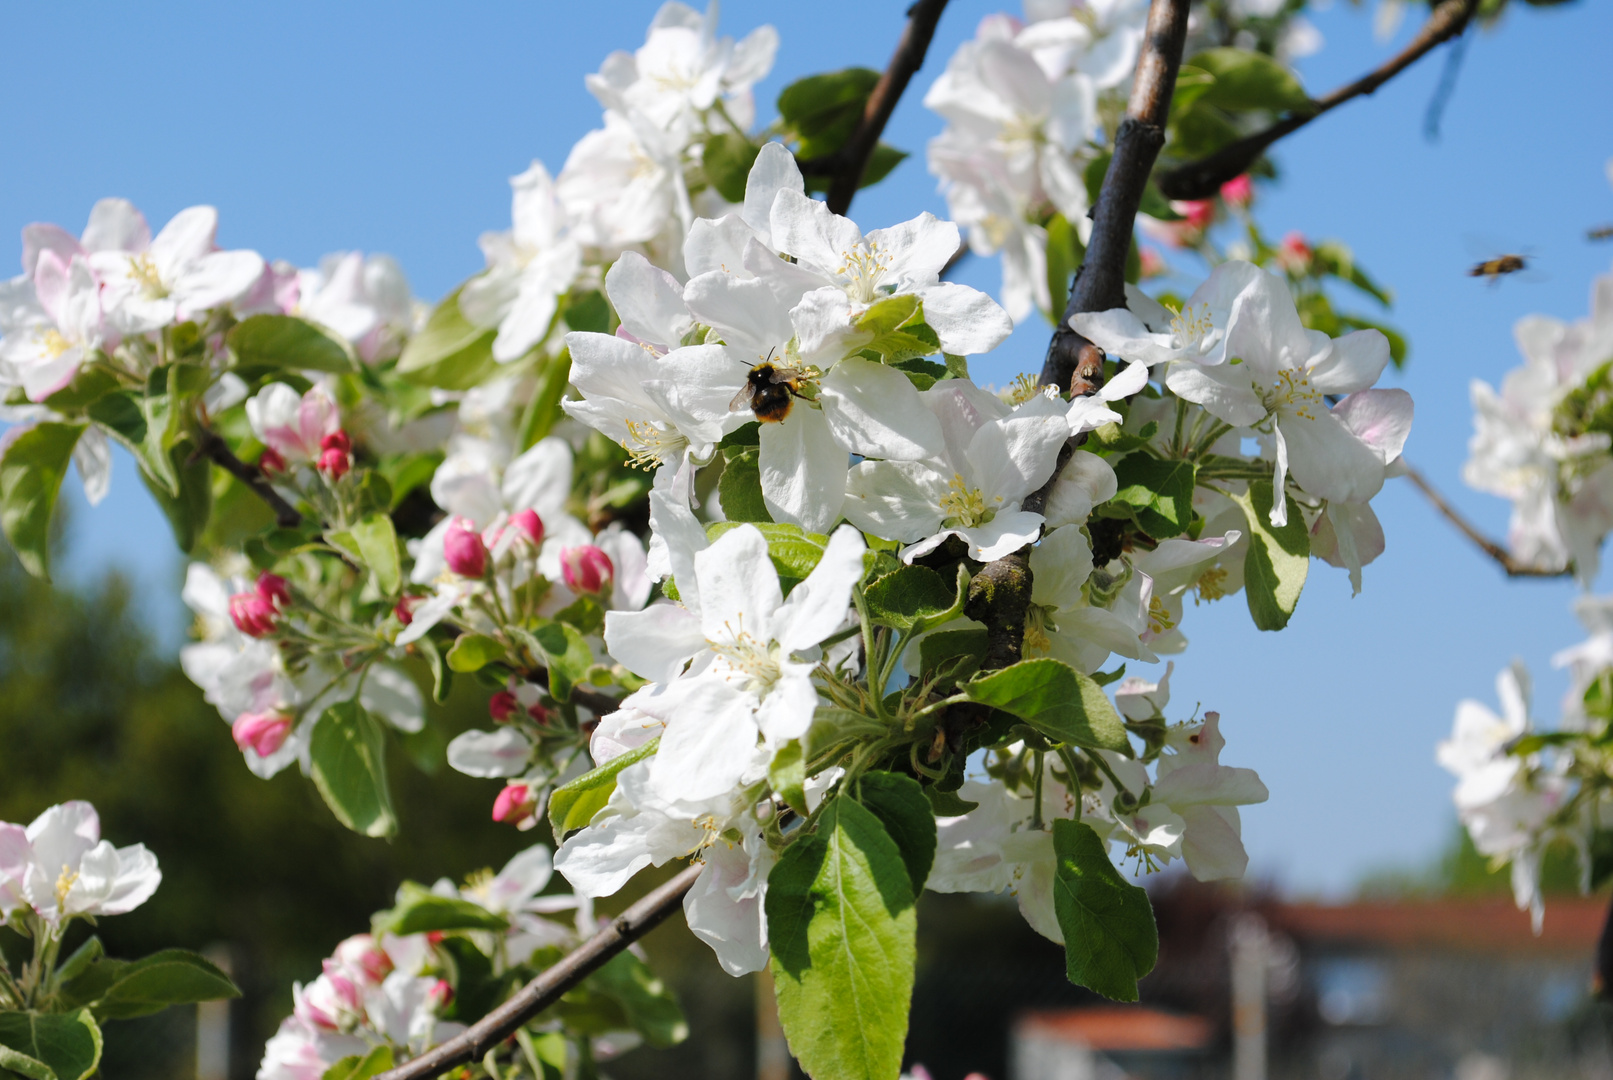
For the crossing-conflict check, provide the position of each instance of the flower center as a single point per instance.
(1037, 624)
(1212, 584)
(864, 265)
(1022, 389)
(1191, 326)
(52, 343)
(64, 885)
(964, 506)
(649, 444)
(143, 270)
(1159, 620)
(1294, 393)
(749, 656)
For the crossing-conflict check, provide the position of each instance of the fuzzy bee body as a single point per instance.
(1495, 268)
(769, 391)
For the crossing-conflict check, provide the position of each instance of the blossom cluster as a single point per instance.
(58, 868)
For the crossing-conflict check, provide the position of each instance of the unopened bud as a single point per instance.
(442, 994)
(270, 462)
(530, 524)
(586, 569)
(362, 954)
(404, 608)
(516, 805)
(337, 440)
(252, 614)
(502, 706)
(335, 463)
(263, 732)
(275, 589)
(464, 550)
(1238, 192)
(1294, 253)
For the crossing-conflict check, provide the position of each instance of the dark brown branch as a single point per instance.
(1203, 178)
(851, 160)
(1512, 566)
(475, 1041)
(1100, 283)
(215, 448)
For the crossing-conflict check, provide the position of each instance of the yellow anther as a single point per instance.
(52, 342)
(964, 506)
(748, 656)
(1294, 390)
(64, 885)
(1159, 620)
(1212, 585)
(143, 270)
(1190, 327)
(1022, 389)
(649, 444)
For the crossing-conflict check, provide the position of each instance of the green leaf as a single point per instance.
(1056, 700)
(90, 385)
(377, 542)
(568, 656)
(1191, 83)
(472, 652)
(1159, 492)
(550, 379)
(897, 330)
(348, 752)
(728, 158)
(31, 475)
(585, 614)
(1275, 566)
(841, 924)
(786, 775)
(793, 550)
(573, 805)
(880, 163)
(124, 989)
(823, 110)
(421, 911)
(287, 342)
(1245, 79)
(1109, 936)
(947, 645)
(947, 803)
(648, 1004)
(450, 352)
(915, 596)
(50, 1046)
(191, 504)
(899, 804)
(353, 1067)
(442, 677)
(1064, 254)
(739, 488)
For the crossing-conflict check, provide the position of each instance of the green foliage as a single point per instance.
(50, 1046)
(646, 1004)
(353, 1067)
(30, 479)
(472, 652)
(1056, 700)
(573, 805)
(190, 505)
(728, 157)
(821, 111)
(794, 551)
(421, 911)
(897, 331)
(1110, 940)
(1245, 80)
(739, 488)
(123, 989)
(373, 543)
(348, 755)
(915, 596)
(1158, 492)
(1278, 559)
(1064, 254)
(288, 343)
(898, 802)
(786, 775)
(841, 925)
(566, 654)
(450, 352)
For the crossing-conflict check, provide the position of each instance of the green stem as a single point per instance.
(1097, 759)
(1036, 791)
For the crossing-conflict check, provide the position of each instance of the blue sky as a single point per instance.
(394, 127)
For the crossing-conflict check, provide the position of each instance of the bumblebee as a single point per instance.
(769, 391)
(1495, 268)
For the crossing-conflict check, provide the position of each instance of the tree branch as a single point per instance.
(218, 450)
(851, 160)
(475, 1041)
(1512, 566)
(1100, 283)
(1203, 178)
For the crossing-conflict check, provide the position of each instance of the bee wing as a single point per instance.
(782, 376)
(741, 399)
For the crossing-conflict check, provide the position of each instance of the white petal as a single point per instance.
(967, 321)
(653, 643)
(874, 411)
(803, 470)
(504, 751)
(817, 606)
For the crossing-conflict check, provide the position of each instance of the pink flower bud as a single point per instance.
(464, 550)
(274, 588)
(337, 440)
(586, 569)
(1198, 212)
(1294, 253)
(252, 614)
(1239, 191)
(530, 524)
(502, 706)
(404, 609)
(1152, 263)
(271, 463)
(361, 954)
(335, 463)
(516, 805)
(264, 732)
(539, 714)
(442, 995)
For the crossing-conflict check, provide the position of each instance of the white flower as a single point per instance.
(179, 276)
(72, 871)
(63, 330)
(1146, 332)
(293, 425)
(528, 268)
(993, 458)
(364, 299)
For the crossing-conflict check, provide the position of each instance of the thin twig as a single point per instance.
(504, 1021)
(218, 450)
(1203, 178)
(1512, 566)
(850, 162)
(1100, 284)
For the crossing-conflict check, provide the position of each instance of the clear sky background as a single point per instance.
(394, 127)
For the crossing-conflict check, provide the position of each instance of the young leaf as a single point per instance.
(739, 488)
(647, 1003)
(191, 505)
(728, 158)
(823, 110)
(947, 803)
(899, 804)
(1064, 254)
(124, 989)
(472, 652)
(353, 1067)
(50, 1046)
(450, 352)
(348, 753)
(289, 343)
(377, 541)
(568, 656)
(1278, 559)
(1109, 936)
(1159, 492)
(1245, 79)
(911, 595)
(793, 550)
(573, 805)
(947, 645)
(841, 924)
(421, 911)
(1056, 700)
(30, 479)
(786, 775)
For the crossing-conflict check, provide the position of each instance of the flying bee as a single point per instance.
(770, 390)
(1601, 232)
(1499, 266)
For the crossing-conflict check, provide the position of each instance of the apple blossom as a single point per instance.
(72, 872)
(293, 426)
(179, 276)
(263, 732)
